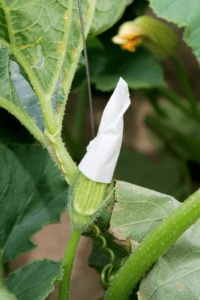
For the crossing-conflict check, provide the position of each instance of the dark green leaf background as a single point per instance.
(33, 194)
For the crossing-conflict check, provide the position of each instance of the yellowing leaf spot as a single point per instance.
(180, 287)
(74, 53)
(88, 14)
(79, 22)
(32, 3)
(25, 46)
(66, 70)
(59, 50)
(39, 40)
(66, 16)
(29, 28)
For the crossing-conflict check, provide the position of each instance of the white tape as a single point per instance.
(102, 154)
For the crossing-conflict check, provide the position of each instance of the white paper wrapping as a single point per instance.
(103, 151)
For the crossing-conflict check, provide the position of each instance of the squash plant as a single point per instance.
(40, 61)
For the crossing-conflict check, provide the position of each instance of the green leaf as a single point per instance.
(27, 97)
(34, 281)
(184, 14)
(30, 24)
(107, 13)
(5, 294)
(9, 99)
(177, 272)
(140, 69)
(133, 166)
(138, 211)
(94, 42)
(33, 195)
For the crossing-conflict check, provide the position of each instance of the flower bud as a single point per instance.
(156, 36)
(86, 200)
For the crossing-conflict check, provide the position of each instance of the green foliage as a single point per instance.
(24, 108)
(34, 281)
(34, 195)
(177, 272)
(138, 211)
(166, 175)
(139, 70)
(107, 13)
(177, 12)
(40, 51)
(177, 130)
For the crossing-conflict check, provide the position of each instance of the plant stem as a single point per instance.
(61, 156)
(178, 101)
(68, 263)
(186, 85)
(24, 118)
(155, 245)
(80, 115)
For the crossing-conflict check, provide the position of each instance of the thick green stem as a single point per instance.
(68, 263)
(186, 85)
(80, 115)
(155, 245)
(61, 156)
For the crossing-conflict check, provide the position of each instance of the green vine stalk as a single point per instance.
(68, 263)
(156, 243)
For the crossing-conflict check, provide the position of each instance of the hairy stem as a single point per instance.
(155, 245)
(61, 156)
(68, 263)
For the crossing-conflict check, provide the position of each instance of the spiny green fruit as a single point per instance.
(86, 200)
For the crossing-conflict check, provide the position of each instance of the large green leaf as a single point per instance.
(34, 281)
(177, 272)
(138, 211)
(107, 13)
(140, 69)
(27, 97)
(33, 194)
(184, 14)
(45, 39)
(30, 24)
(24, 110)
(166, 175)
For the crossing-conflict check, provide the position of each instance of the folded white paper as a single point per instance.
(103, 151)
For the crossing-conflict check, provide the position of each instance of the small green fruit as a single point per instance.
(86, 200)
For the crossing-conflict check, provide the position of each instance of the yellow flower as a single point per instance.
(156, 36)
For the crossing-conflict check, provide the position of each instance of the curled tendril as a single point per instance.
(109, 271)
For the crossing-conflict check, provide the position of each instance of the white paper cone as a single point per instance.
(100, 161)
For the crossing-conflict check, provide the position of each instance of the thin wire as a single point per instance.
(87, 70)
